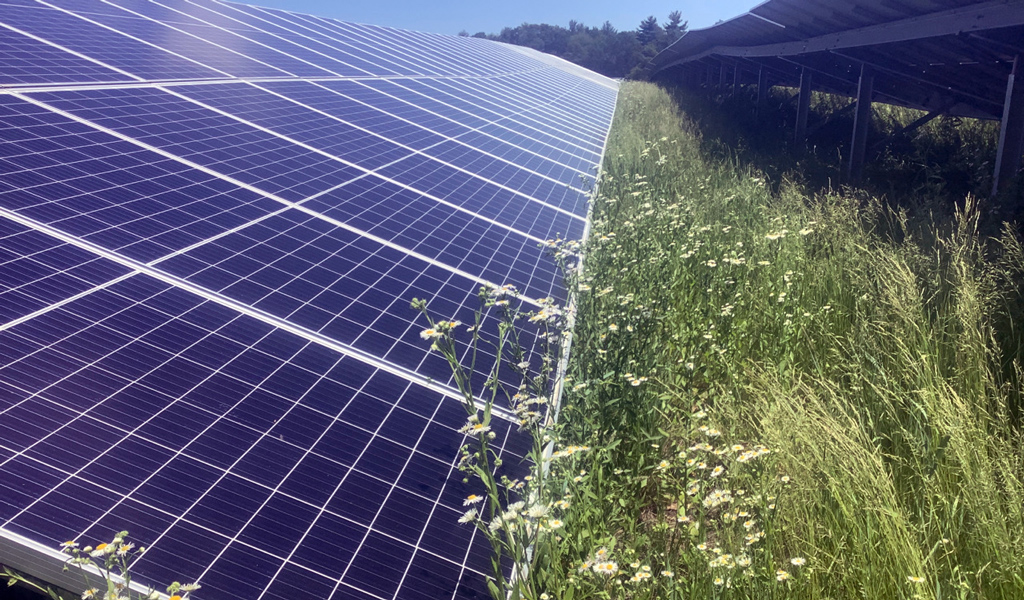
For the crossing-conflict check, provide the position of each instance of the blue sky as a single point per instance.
(452, 16)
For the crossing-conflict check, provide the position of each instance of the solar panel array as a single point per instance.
(213, 218)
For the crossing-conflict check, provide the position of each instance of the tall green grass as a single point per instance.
(875, 368)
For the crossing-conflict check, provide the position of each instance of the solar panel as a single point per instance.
(213, 218)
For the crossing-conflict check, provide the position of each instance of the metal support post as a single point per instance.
(735, 79)
(861, 122)
(1011, 129)
(803, 105)
(762, 89)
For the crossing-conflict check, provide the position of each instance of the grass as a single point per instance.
(781, 395)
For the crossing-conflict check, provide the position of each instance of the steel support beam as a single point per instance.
(912, 126)
(762, 88)
(803, 105)
(735, 79)
(1011, 129)
(861, 122)
(957, 21)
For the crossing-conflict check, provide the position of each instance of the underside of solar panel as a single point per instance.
(213, 218)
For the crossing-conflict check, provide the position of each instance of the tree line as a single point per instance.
(603, 49)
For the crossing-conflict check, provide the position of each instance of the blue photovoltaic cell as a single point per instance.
(178, 39)
(26, 60)
(299, 123)
(37, 271)
(210, 431)
(206, 335)
(471, 244)
(119, 51)
(111, 192)
(463, 189)
(332, 99)
(207, 138)
(332, 282)
(489, 121)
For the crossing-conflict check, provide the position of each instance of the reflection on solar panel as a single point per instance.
(213, 218)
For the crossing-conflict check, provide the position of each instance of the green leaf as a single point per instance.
(495, 592)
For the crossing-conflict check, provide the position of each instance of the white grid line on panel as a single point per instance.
(225, 48)
(251, 188)
(365, 53)
(182, 399)
(404, 43)
(416, 547)
(182, 516)
(246, 28)
(141, 41)
(365, 169)
(487, 121)
(248, 310)
(334, 492)
(395, 303)
(520, 117)
(422, 152)
(549, 79)
(149, 83)
(270, 33)
(375, 171)
(70, 51)
(225, 417)
(252, 58)
(48, 308)
(333, 31)
(545, 112)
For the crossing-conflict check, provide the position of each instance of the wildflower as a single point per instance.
(536, 511)
(806, 231)
(719, 581)
(563, 504)
(469, 516)
(784, 479)
(702, 546)
(101, 550)
(89, 593)
(68, 546)
(667, 573)
(430, 333)
(743, 560)
(555, 524)
(915, 579)
(781, 575)
(125, 549)
(608, 568)
(190, 587)
(717, 471)
(475, 429)
(586, 565)
(601, 553)
(613, 327)
(798, 561)
(664, 465)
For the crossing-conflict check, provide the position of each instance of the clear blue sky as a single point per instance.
(452, 16)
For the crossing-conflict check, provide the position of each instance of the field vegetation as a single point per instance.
(774, 391)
